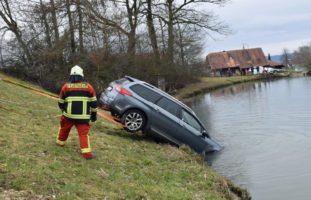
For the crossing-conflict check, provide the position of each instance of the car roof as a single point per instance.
(134, 80)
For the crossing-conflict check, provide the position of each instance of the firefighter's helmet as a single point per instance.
(77, 70)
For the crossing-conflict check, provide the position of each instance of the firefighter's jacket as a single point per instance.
(78, 101)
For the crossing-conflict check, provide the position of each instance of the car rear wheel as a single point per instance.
(134, 120)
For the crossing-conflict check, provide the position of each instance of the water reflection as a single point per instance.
(265, 128)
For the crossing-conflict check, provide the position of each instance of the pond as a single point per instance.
(265, 128)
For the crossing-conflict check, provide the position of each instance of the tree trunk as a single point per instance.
(131, 46)
(80, 27)
(132, 18)
(1, 55)
(170, 42)
(71, 28)
(162, 34)
(106, 42)
(46, 25)
(181, 46)
(54, 20)
(152, 32)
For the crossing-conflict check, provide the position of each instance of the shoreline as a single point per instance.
(207, 84)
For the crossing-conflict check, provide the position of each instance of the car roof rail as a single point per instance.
(130, 78)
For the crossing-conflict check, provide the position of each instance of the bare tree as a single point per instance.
(285, 57)
(54, 20)
(152, 31)
(71, 27)
(132, 9)
(44, 12)
(302, 56)
(7, 16)
(183, 12)
(150, 36)
(80, 26)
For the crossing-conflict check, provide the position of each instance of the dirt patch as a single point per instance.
(21, 195)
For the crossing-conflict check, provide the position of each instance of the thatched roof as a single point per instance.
(244, 58)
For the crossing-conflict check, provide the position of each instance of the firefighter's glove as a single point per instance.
(93, 117)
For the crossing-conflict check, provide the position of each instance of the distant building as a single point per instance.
(241, 61)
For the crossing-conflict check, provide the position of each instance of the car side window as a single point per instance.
(146, 93)
(189, 119)
(170, 106)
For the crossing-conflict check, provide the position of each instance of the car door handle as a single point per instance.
(157, 109)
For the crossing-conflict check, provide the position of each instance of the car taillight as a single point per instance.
(123, 91)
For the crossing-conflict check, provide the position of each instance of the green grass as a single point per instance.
(127, 166)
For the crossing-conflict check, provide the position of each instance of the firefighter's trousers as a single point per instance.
(83, 131)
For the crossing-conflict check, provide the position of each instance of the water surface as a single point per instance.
(266, 130)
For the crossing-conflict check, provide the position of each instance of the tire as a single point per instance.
(134, 120)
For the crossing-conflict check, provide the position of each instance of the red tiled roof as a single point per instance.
(243, 58)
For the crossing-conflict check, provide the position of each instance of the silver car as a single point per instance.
(141, 106)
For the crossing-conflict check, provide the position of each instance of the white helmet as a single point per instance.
(77, 70)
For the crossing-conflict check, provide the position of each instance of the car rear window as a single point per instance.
(122, 81)
(170, 106)
(146, 93)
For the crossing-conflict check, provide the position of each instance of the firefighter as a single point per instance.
(78, 103)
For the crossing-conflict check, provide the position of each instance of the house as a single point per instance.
(241, 61)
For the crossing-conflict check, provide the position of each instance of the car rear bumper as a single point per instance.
(105, 107)
(105, 102)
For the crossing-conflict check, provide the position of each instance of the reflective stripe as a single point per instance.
(94, 109)
(93, 98)
(77, 99)
(77, 85)
(74, 116)
(84, 108)
(69, 107)
(80, 99)
(61, 100)
(62, 143)
(86, 150)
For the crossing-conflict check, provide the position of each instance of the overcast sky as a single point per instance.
(270, 24)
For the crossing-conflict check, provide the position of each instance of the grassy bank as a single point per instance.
(128, 166)
(206, 84)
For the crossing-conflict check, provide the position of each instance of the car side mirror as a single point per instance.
(204, 133)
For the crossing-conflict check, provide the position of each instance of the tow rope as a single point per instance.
(55, 97)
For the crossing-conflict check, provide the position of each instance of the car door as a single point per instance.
(165, 119)
(190, 130)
